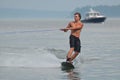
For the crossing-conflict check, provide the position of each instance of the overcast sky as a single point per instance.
(54, 5)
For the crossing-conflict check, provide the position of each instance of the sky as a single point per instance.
(54, 5)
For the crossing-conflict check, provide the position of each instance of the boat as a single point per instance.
(94, 17)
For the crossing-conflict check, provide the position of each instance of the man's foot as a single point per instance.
(68, 60)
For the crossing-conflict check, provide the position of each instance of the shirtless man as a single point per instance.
(75, 45)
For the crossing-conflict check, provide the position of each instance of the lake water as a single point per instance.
(34, 49)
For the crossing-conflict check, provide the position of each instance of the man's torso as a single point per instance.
(76, 32)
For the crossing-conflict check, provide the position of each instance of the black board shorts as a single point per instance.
(75, 43)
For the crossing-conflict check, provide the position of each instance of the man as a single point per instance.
(75, 45)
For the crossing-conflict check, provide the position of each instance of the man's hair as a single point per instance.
(77, 13)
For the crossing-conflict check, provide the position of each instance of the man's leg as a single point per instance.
(74, 56)
(77, 49)
(70, 53)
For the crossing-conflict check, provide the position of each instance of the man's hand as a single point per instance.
(65, 29)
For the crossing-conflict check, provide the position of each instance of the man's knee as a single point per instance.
(71, 49)
(77, 53)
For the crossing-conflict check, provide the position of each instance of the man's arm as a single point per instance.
(66, 29)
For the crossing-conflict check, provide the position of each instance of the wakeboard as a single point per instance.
(67, 66)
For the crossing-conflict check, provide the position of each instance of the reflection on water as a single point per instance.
(72, 74)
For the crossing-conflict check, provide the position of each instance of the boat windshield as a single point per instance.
(92, 14)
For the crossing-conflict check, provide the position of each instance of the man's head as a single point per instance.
(77, 16)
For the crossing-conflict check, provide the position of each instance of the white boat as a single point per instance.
(94, 17)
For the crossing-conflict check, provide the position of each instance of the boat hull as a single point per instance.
(94, 20)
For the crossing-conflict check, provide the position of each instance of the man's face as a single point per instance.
(76, 17)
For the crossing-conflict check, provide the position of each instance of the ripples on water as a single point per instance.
(34, 50)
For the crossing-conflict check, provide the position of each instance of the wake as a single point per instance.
(41, 58)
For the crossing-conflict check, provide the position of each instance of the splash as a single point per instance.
(36, 58)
